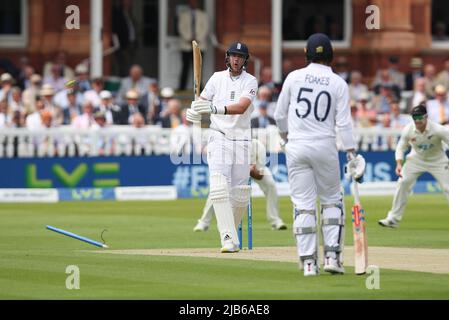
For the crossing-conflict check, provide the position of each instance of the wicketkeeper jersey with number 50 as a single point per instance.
(313, 102)
(224, 90)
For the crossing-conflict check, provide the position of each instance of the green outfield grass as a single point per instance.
(33, 260)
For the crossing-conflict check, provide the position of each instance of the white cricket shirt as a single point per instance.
(223, 90)
(426, 145)
(313, 102)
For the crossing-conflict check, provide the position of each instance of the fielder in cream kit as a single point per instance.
(228, 97)
(263, 177)
(313, 102)
(427, 155)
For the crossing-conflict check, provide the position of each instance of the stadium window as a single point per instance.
(305, 17)
(13, 23)
(440, 24)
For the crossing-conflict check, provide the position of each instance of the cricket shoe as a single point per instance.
(390, 223)
(332, 265)
(279, 226)
(310, 268)
(200, 226)
(229, 247)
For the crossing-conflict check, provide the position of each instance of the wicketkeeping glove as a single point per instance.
(193, 116)
(205, 107)
(356, 166)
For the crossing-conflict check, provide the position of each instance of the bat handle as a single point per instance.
(356, 192)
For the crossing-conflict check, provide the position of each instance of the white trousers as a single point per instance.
(268, 186)
(411, 171)
(314, 173)
(229, 158)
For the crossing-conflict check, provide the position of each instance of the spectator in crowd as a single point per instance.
(264, 96)
(383, 80)
(385, 142)
(167, 94)
(124, 115)
(99, 120)
(419, 92)
(17, 120)
(47, 94)
(16, 102)
(47, 119)
(356, 87)
(415, 73)
(61, 98)
(173, 117)
(82, 78)
(443, 76)
(287, 67)
(366, 113)
(397, 119)
(55, 79)
(430, 80)
(439, 33)
(382, 101)
(103, 142)
(266, 78)
(154, 103)
(107, 106)
(24, 78)
(30, 94)
(136, 81)
(124, 26)
(4, 116)
(72, 109)
(93, 95)
(65, 71)
(263, 120)
(396, 76)
(34, 121)
(6, 81)
(180, 142)
(193, 24)
(438, 108)
(86, 119)
(342, 68)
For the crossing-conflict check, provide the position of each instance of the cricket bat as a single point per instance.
(197, 68)
(359, 231)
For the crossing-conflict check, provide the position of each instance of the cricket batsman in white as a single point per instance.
(427, 155)
(313, 102)
(264, 178)
(228, 97)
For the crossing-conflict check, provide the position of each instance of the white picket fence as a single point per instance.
(151, 140)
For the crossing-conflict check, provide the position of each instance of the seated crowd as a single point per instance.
(63, 97)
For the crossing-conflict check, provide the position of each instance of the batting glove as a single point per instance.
(193, 116)
(205, 107)
(356, 166)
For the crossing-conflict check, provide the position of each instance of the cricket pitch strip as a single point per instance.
(409, 259)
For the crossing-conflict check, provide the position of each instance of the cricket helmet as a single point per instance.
(319, 48)
(419, 110)
(238, 48)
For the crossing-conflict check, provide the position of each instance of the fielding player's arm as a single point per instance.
(401, 148)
